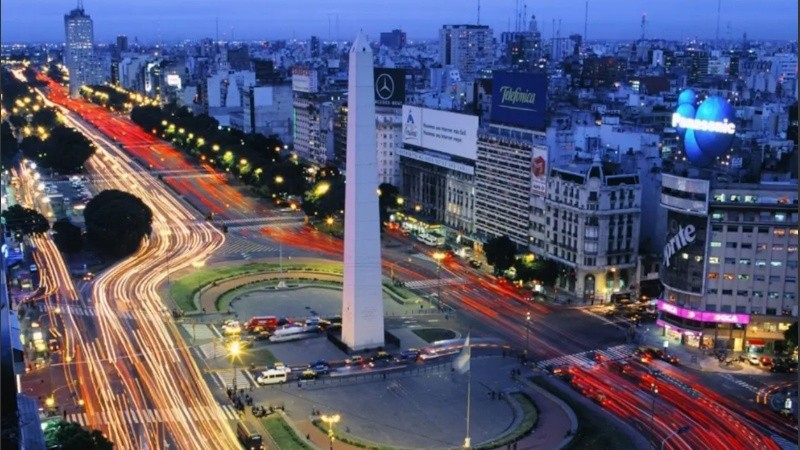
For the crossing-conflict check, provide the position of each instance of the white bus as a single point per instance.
(272, 376)
(430, 240)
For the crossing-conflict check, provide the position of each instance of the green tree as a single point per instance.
(71, 436)
(8, 144)
(45, 117)
(116, 223)
(67, 236)
(790, 335)
(65, 150)
(25, 220)
(500, 253)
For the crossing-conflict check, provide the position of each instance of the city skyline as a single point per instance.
(153, 22)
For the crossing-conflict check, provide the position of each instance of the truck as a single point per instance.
(261, 323)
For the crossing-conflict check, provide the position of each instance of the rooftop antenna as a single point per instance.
(516, 16)
(479, 12)
(524, 17)
(644, 24)
(719, 8)
(585, 22)
(216, 24)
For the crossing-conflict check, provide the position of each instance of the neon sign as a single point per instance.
(703, 316)
(708, 128)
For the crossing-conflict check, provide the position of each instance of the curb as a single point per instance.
(573, 419)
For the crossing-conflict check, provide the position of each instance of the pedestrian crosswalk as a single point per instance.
(784, 443)
(77, 310)
(234, 245)
(244, 380)
(201, 331)
(425, 284)
(739, 382)
(212, 413)
(211, 350)
(584, 359)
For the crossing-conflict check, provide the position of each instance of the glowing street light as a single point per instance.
(234, 351)
(322, 189)
(331, 420)
(278, 179)
(439, 256)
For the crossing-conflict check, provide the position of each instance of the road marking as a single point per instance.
(601, 318)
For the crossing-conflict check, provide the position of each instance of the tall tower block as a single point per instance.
(362, 305)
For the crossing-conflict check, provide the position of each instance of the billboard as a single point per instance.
(390, 87)
(304, 80)
(519, 99)
(684, 254)
(443, 131)
(539, 171)
(708, 127)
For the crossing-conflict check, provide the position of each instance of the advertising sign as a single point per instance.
(708, 127)
(703, 316)
(519, 99)
(539, 171)
(390, 87)
(685, 251)
(443, 131)
(304, 80)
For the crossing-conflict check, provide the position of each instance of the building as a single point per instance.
(388, 131)
(507, 159)
(730, 262)
(468, 48)
(314, 47)
(266, 110)
(313, 126)
(395, 39)
(79, 50)
(591, 224)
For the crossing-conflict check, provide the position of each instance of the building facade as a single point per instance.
(730, 262)
(79, 50)
(591, 224)
(468, 48)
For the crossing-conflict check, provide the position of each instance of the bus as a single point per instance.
(430, 240)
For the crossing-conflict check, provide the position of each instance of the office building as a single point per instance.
(467, 48)
(79, 49)
(395, 39)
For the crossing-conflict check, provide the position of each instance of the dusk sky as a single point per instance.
(174, 20)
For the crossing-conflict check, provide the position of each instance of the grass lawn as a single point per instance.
(434, 334)
(594, 431)
(530, 417)
(283, 434)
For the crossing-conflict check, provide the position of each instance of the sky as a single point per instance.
(26, 21)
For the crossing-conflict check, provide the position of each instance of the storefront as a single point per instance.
(703, 328)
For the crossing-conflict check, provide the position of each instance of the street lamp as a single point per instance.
(654, 391)
(439, 256)
(234, 351)
(330, 420)
(527, 332)
(680, 430)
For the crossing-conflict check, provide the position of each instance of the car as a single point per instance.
(231, 328)
(262, 335)
(782, 368)
(308, 374)
(754, 359)
(53, 345)
(356, 360)
(411, 354)
(475, 263)
(381, 356)
(379, 364)
(33, 268)
(88, 276)
(672, 359)
(320, 367)
(279, 366)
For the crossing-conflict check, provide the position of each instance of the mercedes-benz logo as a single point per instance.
(384, 86)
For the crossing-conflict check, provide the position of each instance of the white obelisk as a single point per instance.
(362, 305)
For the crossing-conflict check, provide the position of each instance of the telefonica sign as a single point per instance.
(684, 236)
(519, 99)
(708, 128)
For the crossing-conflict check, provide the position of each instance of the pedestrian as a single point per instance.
(384, 376)
(299, 384)
(308, 436)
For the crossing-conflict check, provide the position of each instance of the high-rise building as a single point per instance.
(468, 48)
(313, 47)
(122, 43)
(79, 49)
(395, 39)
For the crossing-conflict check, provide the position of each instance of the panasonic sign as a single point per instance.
(684, 236)
(703, 125)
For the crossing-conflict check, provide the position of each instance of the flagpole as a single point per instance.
(469, 402)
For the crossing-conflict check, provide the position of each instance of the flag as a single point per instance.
(461, 362)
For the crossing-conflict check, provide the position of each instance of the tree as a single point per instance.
(8, 144)
(67, 236)
(116, 223)
(64, 150)
(71, 436)
(387, 200)
(25, 220)
(45, 117)
(500, 252)
(790, 335)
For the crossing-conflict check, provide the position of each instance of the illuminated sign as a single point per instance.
(708, 129)
(703, 316)
(390, 87)
(518, 99)
(681, 239)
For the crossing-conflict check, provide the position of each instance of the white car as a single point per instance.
(231, 327)
(754, 359)
(279, 366)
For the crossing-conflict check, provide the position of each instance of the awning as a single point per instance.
(756, 342)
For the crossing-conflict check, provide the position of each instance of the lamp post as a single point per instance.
(527, 333)
(654, 391)
(330, 420)
(439, 256)
(680, 430)
(234, 351)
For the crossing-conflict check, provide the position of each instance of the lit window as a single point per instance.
(713, 259)
(744, 261)
(728, 276)
(684, 256)
(775, 263)
(758, 294)
(791, 248)
(744, 276)
(761, 263)
(713, 275)
(793, 231)
(780, 217)
(777, 248)
(716, 244)
(779, 232)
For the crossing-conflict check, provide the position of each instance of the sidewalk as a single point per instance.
(557, 422)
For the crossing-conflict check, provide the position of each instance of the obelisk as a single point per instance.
(362, 304)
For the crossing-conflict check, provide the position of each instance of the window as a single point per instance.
(713, 275)
(711, 307)
(763, 230)
(761, 246)
(731, 245)
(728, 276)
(747, 229)
(759, 277)
(741, 310)
(761, 263)
(779, 232)
(730, 260)
(789, 296)
(717, 215)
(793, 231)
(774, 295)
(741, 293)
(716, 244)
(791, 264)
(791, 249)
(777, 248)
(744, 276)
(713, 259)
(791, 280)
(744, 261)
(747, 245)
(717, 228)
(712, 291)
(775, 263)
(780, 217)
(732, 229)
(727, 292)
(758, 294)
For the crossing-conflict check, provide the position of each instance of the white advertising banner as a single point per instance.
(443, 131)
(304, 80)
(539, 171)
